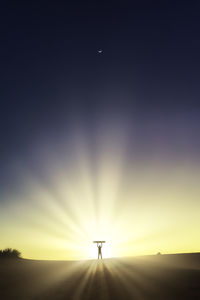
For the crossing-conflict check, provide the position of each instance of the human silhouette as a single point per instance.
(99, 251)
(99, 246)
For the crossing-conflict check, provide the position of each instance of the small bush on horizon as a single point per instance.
(10, 253)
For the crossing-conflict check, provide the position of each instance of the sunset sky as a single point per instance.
(99, 145)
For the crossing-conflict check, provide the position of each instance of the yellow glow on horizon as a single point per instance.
(136, 208)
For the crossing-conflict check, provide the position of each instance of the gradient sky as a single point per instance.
(99, 145)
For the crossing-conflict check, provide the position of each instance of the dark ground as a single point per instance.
(151, 277)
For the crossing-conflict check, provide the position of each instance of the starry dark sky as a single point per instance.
(52, 76)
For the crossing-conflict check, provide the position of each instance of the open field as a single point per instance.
(150, 277)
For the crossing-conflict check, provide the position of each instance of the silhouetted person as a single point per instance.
(99, 251)
(99, 246)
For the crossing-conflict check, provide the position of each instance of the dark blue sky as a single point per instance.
(52, 75)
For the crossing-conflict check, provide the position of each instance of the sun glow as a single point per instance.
(106, 251)
(88, 194)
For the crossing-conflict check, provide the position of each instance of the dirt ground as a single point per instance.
(151, 277)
